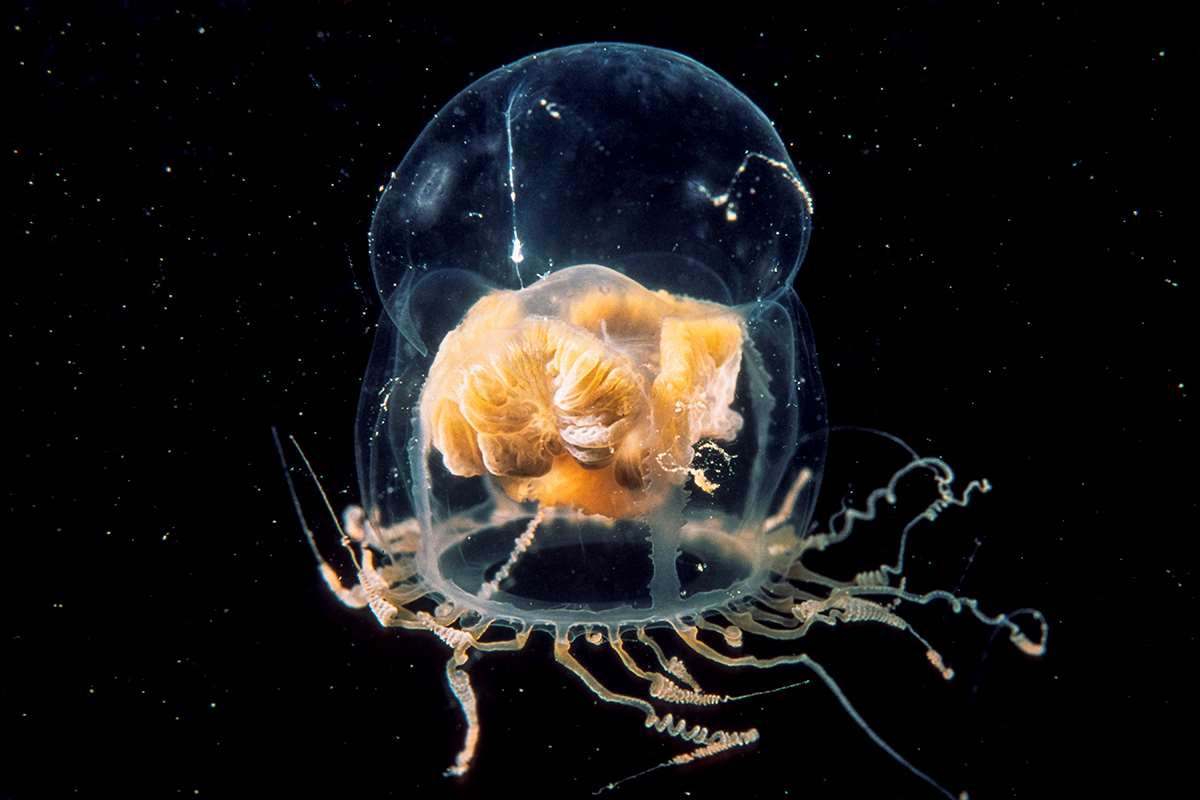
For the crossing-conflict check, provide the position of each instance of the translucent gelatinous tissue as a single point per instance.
(593, 407)
(587, 261)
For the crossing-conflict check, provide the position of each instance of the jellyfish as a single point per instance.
(593, 410)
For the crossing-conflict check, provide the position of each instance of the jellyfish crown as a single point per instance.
(589, 335)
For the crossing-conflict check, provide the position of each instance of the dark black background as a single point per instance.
(997, 274)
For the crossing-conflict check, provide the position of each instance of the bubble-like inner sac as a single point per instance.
(585, 390)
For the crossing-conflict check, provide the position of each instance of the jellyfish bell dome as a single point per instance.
(592, 374)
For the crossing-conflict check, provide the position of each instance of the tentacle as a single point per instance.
(460, 687)
(520, 546)
(562, 654)
(673, 666)
(789, 501)
(688, 635)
